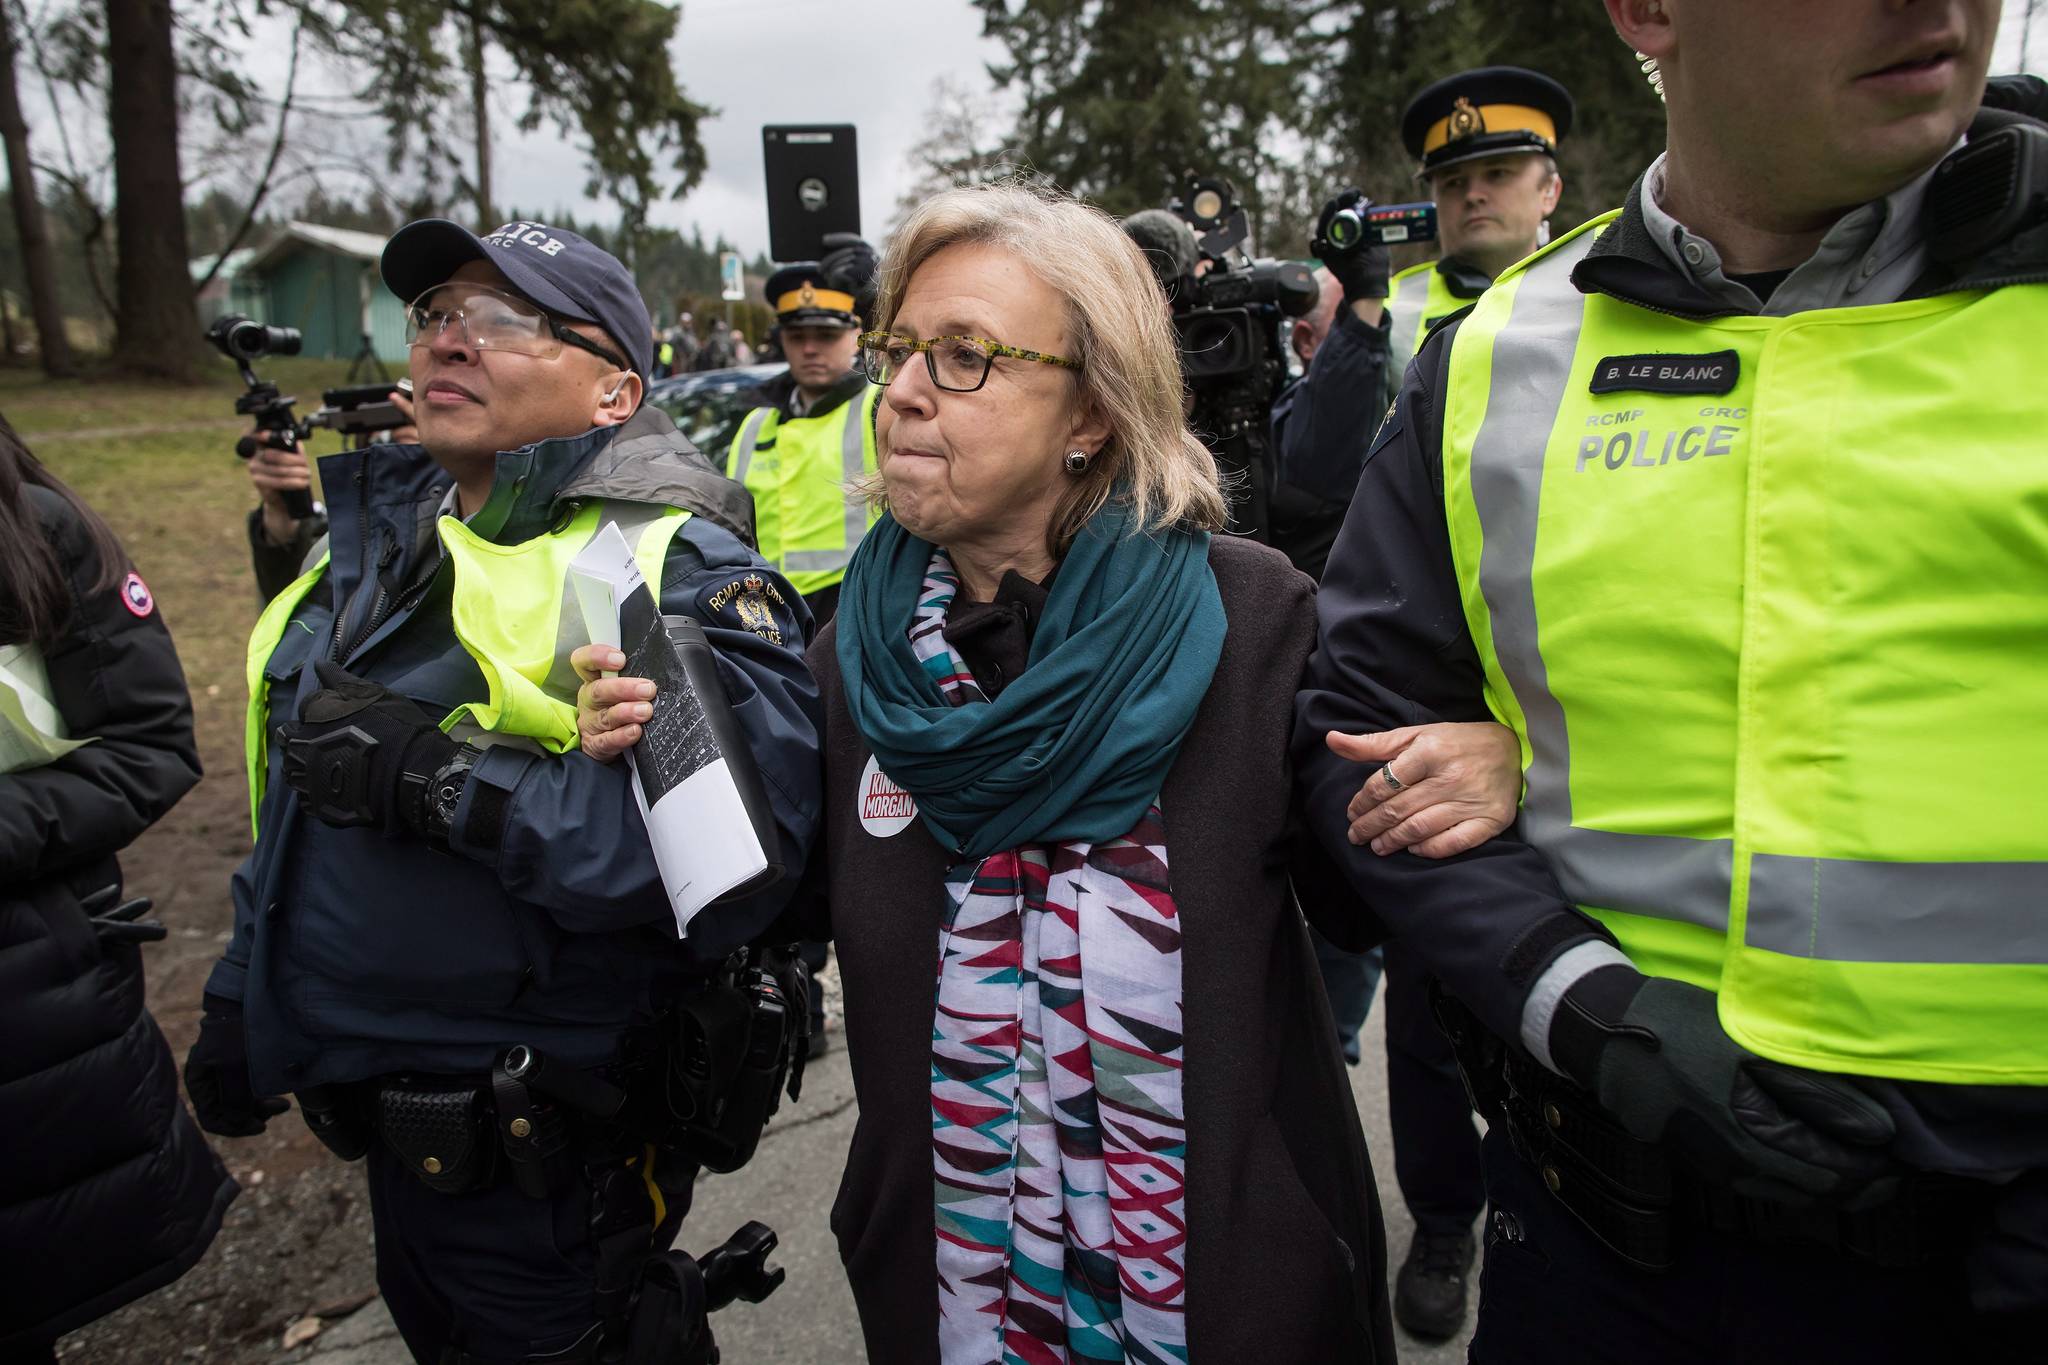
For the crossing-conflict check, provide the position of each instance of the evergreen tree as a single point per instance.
(596, 69)
(1121, 99)
(1383, 51)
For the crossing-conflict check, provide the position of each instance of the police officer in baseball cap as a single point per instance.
(439, 881)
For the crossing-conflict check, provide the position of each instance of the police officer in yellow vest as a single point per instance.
(438, 877)
(1729, 504)
(1486, 141)
(814, 434)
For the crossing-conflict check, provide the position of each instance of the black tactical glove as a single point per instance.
(1361, 269)
(360, 754)
(849, 266)
(217, 1075)
(1655, 1055)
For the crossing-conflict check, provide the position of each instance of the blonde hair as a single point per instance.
(1119, 330)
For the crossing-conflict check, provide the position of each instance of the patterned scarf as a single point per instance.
(1059, 1147)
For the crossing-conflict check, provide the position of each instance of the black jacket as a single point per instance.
(108, 1191)
(1285, 1258)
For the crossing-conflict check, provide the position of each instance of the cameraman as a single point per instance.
(280, 543)
(418, 902)
(1305, 525)
(1487, 140)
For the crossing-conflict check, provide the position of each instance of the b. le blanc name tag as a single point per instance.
(1664, 373)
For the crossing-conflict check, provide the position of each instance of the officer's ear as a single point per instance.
(618, 400)
(1644, 25)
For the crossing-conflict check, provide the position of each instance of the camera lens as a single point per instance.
(244, 339)
(1346, 228)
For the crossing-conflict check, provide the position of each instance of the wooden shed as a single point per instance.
(324, 281)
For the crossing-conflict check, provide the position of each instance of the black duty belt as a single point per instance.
(1638, 1203)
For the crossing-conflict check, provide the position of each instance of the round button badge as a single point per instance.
(885, 808)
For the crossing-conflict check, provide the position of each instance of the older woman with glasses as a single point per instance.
(1102, 1111)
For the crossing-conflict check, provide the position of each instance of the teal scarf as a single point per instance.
(1077, 747)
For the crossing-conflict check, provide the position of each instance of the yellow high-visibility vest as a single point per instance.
(513, 613)
(799, 469)
(1417, 299)
(1766, 600)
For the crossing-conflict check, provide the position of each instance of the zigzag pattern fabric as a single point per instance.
(1059, 1143)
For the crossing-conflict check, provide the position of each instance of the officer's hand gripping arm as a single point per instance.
(1393, 650)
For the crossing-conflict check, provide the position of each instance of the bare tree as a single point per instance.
(37, 263)
(156, 321)
(480, 115)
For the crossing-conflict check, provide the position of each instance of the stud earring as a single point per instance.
(1077, 461)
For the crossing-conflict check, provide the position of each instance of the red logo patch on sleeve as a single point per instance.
(135, 595)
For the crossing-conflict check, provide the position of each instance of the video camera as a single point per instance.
(1382, 224)
(1226, 314)
(357, 409)
(1227, 308)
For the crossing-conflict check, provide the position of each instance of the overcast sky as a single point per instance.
(756, 62)
(776, 61)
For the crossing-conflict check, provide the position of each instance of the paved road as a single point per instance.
(789, 1185)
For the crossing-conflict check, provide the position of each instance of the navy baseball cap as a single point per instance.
(562, 272)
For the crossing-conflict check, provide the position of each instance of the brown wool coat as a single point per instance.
(1286, 1259)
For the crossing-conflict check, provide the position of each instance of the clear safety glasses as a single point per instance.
(494, 320)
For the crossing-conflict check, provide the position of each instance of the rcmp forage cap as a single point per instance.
(562, 272)
(802, 298)
(1490, 111)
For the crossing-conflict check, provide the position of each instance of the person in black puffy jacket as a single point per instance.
(108, 1190)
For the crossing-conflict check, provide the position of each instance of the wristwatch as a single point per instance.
(444, 793)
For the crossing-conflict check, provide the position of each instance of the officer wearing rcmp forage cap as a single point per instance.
(813, 436)
(1485, 143)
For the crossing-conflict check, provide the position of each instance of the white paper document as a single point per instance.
(703, 841)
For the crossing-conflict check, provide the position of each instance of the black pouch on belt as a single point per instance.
(441, 1129)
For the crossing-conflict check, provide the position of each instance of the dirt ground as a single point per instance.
(159, 465)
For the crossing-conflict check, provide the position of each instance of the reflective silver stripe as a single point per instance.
(1411, 296)
(749, 433)
(815, 561)
(852, 448)
(1573, 965)
(1644, 874)
(632, 519)
(1840, 910)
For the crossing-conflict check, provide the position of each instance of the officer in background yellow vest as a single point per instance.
(813, 437)
(1732, 509)
(1486, 141)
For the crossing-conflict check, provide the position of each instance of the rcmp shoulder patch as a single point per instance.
(752, 603)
